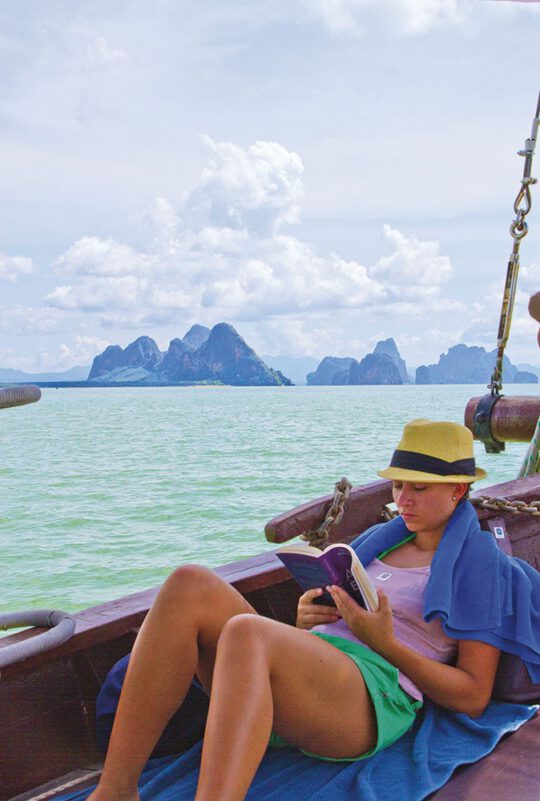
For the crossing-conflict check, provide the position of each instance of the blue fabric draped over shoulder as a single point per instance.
(478, 591)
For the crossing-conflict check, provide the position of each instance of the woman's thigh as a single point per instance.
(321, 702)
(190, 611)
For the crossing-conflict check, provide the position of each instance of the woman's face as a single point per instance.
(426, 507)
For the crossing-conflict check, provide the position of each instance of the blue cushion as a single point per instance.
(184, 729)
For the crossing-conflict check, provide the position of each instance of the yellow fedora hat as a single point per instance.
(431, 451)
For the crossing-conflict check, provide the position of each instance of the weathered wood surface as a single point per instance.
(364, 508)
(47, 702)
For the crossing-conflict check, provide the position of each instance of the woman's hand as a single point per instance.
(310, 614)
(375, 629)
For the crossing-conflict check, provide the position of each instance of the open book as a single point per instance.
(338, 564)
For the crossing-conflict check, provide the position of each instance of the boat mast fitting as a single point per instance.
(482, 419)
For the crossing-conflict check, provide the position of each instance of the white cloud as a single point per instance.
(529, 277)
(258, 188)
(224, 251)
(352, 18)
(104, 257)
(11, 267)
(101, 54)
(28, 321)
(415, 269)
(81, 352)
(428, 344)
(295, 336)
(94, 294)
(483, 324)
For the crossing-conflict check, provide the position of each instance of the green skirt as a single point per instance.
(395, 710)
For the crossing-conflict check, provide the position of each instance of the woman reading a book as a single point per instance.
(345, 682)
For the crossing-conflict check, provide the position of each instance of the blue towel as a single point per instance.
(412, 768)
(478, 591)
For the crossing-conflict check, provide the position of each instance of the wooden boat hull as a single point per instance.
(47, 703)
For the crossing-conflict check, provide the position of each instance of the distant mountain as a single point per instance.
(196, 336)
(328, 369)
(470, 364)
(296, 367)
(203, 355)
(529, 368)
(130, 364)
(388, 347)
(375, 368)
(383, 366)
(18, 376)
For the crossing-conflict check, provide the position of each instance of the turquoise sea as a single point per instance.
(104, 491)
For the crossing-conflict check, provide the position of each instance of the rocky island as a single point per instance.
(383, 366)
(217, 356)
(221, 356)
(464, 364)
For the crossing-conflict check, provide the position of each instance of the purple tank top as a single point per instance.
(405, 588)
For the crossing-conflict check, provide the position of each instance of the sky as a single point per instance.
(321, 174)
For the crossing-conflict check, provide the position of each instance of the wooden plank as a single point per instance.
(363, 509)
(44, 723)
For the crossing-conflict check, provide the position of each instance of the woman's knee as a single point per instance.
(246, 636)
(244, 630)
(189, 582)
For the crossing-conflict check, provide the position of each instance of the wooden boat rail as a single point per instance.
(47, 702)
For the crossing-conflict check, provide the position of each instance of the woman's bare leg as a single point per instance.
(271, 676)
(177, 639)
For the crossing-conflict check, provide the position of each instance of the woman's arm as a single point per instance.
(465, 687)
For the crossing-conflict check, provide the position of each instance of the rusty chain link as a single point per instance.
(319, 536)
(503, 505)
(387, 513)
(518, 230)
(485, 502)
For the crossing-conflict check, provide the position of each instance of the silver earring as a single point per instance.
(454, 498)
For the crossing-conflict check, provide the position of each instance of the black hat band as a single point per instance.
(409, 460)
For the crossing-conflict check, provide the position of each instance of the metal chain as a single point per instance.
(503, 505)
(387, 513)
(518, 230)
(485, 502)
(318, 536)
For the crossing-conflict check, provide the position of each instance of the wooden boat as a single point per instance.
(47, 702)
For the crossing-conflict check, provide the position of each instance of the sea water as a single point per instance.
(104, 491)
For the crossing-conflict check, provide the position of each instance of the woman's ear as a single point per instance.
(460, 490)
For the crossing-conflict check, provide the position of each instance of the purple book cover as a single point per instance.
(311, 568)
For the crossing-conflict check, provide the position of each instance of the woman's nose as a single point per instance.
(404, 497)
